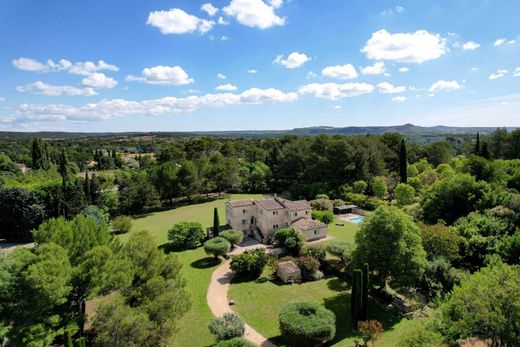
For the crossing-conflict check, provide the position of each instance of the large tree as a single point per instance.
(403, 162)
(390, 242)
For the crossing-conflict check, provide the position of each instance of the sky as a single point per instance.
(184, 65)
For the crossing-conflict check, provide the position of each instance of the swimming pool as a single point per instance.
(356, 219)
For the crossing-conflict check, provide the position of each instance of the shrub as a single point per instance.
(340, 249)
(326, 217)
(290, 239)
(360, 187)
(186, 234)
(308, 266)
(370, 331)
(217, 246)
(249, 264)
(121, 224)
(321, 196)
(307, 324)
(321, 205)
(379, 187)
(234, 237)
(316, 252)
(338, 202)
(235, 342)
(404, 194)
(229, 326)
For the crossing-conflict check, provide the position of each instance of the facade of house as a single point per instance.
(260, 218)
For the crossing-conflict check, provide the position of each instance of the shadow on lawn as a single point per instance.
(205, 263)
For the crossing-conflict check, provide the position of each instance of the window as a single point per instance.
(275, 213)
(244, 221)
(244, 211)
(316, 232)
(306, 212)
(296, 214)
(275, 226)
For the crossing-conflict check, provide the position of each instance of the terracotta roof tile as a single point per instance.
(307, 224)
(240, 203)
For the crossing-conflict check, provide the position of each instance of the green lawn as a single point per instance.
(197, 267)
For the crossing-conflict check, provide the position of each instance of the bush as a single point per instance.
(322, 196)
(249, 264)
(234, 237)
(360, 187)
(308, 266)
(316, 252)
(321, 205)
(229, 326)
(121, 224)
(217, 246)
(235, 342)
(326, 217)
(186, 234)
(404, 194)
(340, 249)
(370, 331)
(306, 324)
(291, 240)
(379, 187)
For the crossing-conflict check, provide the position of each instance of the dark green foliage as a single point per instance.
(217, 246)
(340, 249)
(321, 204)
(306, 324)
(229, 326)
(235, 237)
(439, 278)
(308, 266)
(68, 339)
(290, 239)
(439, 240)
(364, 291)
(249, 264)
(360, 187)
(356, 297)
(40, 155)
(86, 187)
(21, 210)
(186, 235)
(484, 152)
(317, 252)
(136, 193)
(477, 145)
(235, 342)
(326, 217)
(216, 223)
(403, 162)
(121, 224)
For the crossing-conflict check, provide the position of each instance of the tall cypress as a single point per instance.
(68, 339)
(403, 163)
(477, 145)
(86, 187)
(216, 223)
(484, 152)
(36, 154)
(364, 299)
(64, 170)
(357, 299)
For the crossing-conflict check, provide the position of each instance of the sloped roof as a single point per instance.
(307, 224)
(240, 203)
(288, 267)
(297, 205)
(270, 204)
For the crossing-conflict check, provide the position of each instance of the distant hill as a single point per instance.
(406, 129)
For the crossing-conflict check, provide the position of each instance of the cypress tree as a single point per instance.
(64, 170)
(36, 154)
(114, 154)
(216, 223)
(364, 299)
(477, 145)
(86, 187)
(356, 297)
(403, 163)
(94, 188)
(484, 152)
(68, 339)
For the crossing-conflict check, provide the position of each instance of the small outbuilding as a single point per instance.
(344, 209)
(289, 272)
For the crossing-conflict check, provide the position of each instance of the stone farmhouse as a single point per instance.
(260, 218)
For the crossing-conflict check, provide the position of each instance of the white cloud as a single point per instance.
(165, 75)
(499, 42)
(404, 69)
(516, 73)
(334, 91)
(337, 107)
(470, 45)
(177, 21)
(474, 69)
(342, 72)
(99, 80)
(445, 86)
(387, 88)
(399, 99)
(209, 9)
(78, 68)
(276, 3)
(500, 73)
(254, 13)
(400, 9)
(252, 71)
(224, 38)
(222, 21)
(312, 74)
(43, 88)
(221, 76)
(511, 42)
(226, 87)
(376, 69)
(118, 108)
(294, 60)
(390, 11)
(414, 47)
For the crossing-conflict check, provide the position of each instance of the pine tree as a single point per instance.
(403, 163)
(477, 145)
(364, 299)
(216, 223)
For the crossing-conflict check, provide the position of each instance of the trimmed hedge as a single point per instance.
(186, 234)
(307, 324)
(217, 246)
(249, 264)
(235, 342)
(235, 237)
(229, 326)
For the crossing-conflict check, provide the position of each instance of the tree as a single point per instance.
(216, 222)
(403, 163)
(189, 181)
(229, 326)
(165, 178)
(390, 242)
(234, 237)
(249, 264)
(438, 153)
(484, 152)
(40, 155)
(404, 194)
(326, 217)
(217, 247)
(477, 145)
(308, 266)
(486, 304)
(379, 187)
(290, 239)
(340, 249)
(136, 193)
(439, 240)
(121, 224)
(370, 331)
(86, 188)
(360, 187)
(306, 324)
(186, 234)
(356, 297)
(20, 211)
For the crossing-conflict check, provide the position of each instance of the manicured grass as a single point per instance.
(197, 267)
(347, 232)
(259, 302)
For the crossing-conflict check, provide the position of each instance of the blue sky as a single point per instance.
(251, 64)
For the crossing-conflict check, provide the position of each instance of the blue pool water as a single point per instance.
(356, 219)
